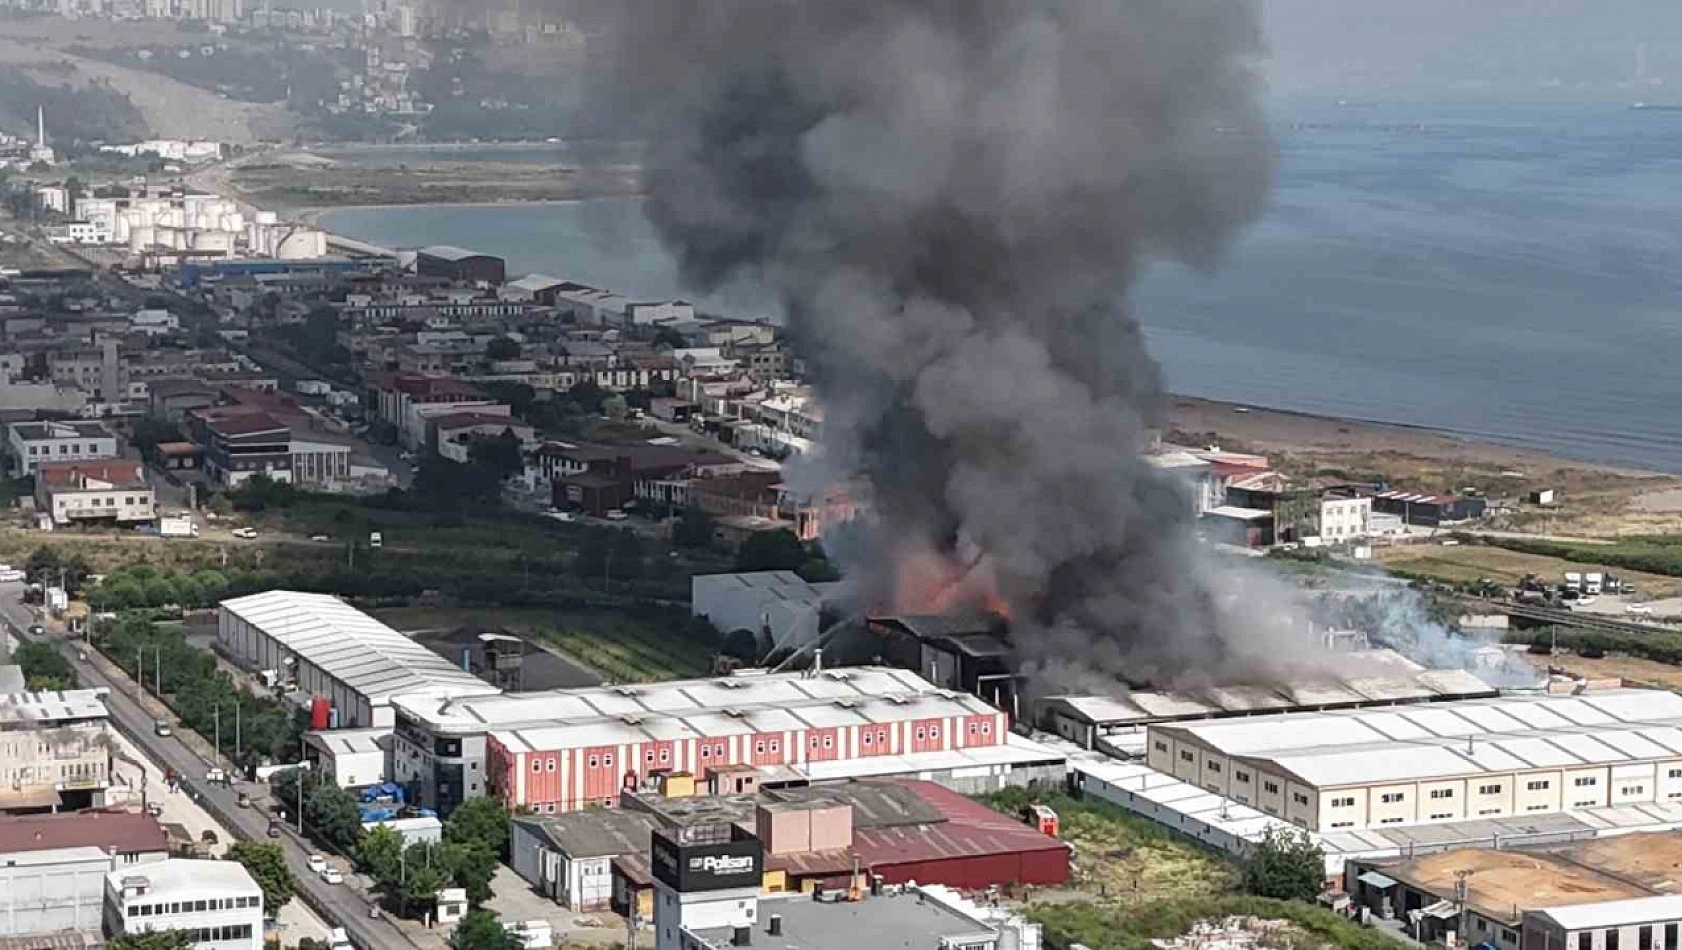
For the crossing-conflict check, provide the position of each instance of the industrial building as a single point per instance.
(780, 607)
(53, 867)
(970, 653)
(1117, 724)
(1367, 768)
(890, 830)
(319, 645)
(790, 728)
(460, 265)
(1533, 899)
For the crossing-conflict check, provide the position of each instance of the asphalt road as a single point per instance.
(340, 905)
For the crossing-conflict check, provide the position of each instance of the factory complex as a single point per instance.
(448, 736)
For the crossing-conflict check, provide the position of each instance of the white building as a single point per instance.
(325, 647)
(1641, 923)
(1344, 519)
(779, 606)
(154, 322)
(649, 314)
(31, 443)
(113, 490)
(53, 890)
(216, 902)
(53, 198)
(1441, 763)
(568, 858)
(54, 747)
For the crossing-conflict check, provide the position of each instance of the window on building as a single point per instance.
(1392, 798)
(1271, 787)
(1441, 793)
(934, 732)
(607, 761)
(1644, 938)
(867, 738)
(1345, 802)
(922, 734)
(1343, 824)
(1160, 746)
(595, 761)
(1441, 815)
(1186, 756)
(1631, 790)
(1585, 781)
(1300, 798)
(1539, 786)
(773, 746)
(551, 765)
(1214, 767)
(1489, 789)
(665, 756)
(1612, 938)
(986, 728)
(1670, 937)
(759, 747)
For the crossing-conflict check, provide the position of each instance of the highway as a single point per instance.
(339, 905)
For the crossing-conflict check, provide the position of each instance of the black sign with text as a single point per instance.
(708, 867)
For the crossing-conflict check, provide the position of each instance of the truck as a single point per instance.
(1573, 580)
(180, 526)
(338, 939)
(1592, 582)
(375, 539)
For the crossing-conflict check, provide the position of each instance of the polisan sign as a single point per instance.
(707, 867)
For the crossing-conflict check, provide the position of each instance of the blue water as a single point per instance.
(1512, 273)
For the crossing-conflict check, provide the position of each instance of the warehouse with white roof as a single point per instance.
(1521, 755)
(330, 649)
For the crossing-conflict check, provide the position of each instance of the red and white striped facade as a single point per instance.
(567, 766)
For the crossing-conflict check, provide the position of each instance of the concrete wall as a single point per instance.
(49, 891)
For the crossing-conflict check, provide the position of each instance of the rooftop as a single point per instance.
(1502, 885)
(593, 833)
(53, 706)
(1468, 737)
(366, 655)
(200, 878)
(901, 920)
(667, 699)
(118, 832)
(115, 473)
(1616, 913)
(39, 431)
(449, 252)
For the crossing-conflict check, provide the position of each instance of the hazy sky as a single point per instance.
(1496, 46)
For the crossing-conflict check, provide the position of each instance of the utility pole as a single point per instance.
(236, 727)
(217, 714)
(158, 671)
(139, 671)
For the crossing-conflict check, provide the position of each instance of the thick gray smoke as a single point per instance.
(951, 197)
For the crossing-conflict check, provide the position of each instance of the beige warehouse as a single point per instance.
(1443, 762)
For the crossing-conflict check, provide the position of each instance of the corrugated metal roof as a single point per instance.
(352, 647)
(1607, 914)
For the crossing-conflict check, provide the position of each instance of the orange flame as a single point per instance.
(935, 582)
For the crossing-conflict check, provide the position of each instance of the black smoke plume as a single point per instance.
(951, 198)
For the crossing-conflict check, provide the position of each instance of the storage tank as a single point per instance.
(319, 713)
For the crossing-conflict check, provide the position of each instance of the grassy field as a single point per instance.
(1123, 857)
(1469, 562)
(621, 646)
(1281, 924)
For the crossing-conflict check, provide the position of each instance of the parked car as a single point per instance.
(317, 863)
(247, 534)
(162, 728)
(274, 829)
(12, 575)
(617, 515)
(332, 875)
(216, 777)
(320, 538)
(1638, 608)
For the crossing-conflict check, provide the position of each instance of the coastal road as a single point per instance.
(340, 905)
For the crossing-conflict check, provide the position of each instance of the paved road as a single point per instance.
(339, 904)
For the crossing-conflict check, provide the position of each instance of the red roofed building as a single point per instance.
(241, 441)
(129, 837)
(113, 490)
(399, 400)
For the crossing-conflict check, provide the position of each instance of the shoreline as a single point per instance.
(1274, 431)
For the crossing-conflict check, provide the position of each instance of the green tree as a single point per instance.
(482, 821)
(213, 583)
(267, 864)
(694, 529)
(471, 866)
(502, 348)
(119, 594)
(44, 668)
(771, 551)
(1286, 865)
(380, 853)
(332, 812)
(481, 930)
(47, 566)
(159, 591)
(614, 407)
(501, 454)
(189, 593)
(669, 338)
(152, 940)
(743, 644)
(423, 876)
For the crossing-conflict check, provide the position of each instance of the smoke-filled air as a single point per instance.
(951, 198)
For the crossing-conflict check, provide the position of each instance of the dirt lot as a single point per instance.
(1468, 562)
(1634, 672)
(1594, 501)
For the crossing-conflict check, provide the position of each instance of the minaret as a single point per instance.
(40, 127)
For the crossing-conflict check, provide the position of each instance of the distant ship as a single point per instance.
(1656, 106)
